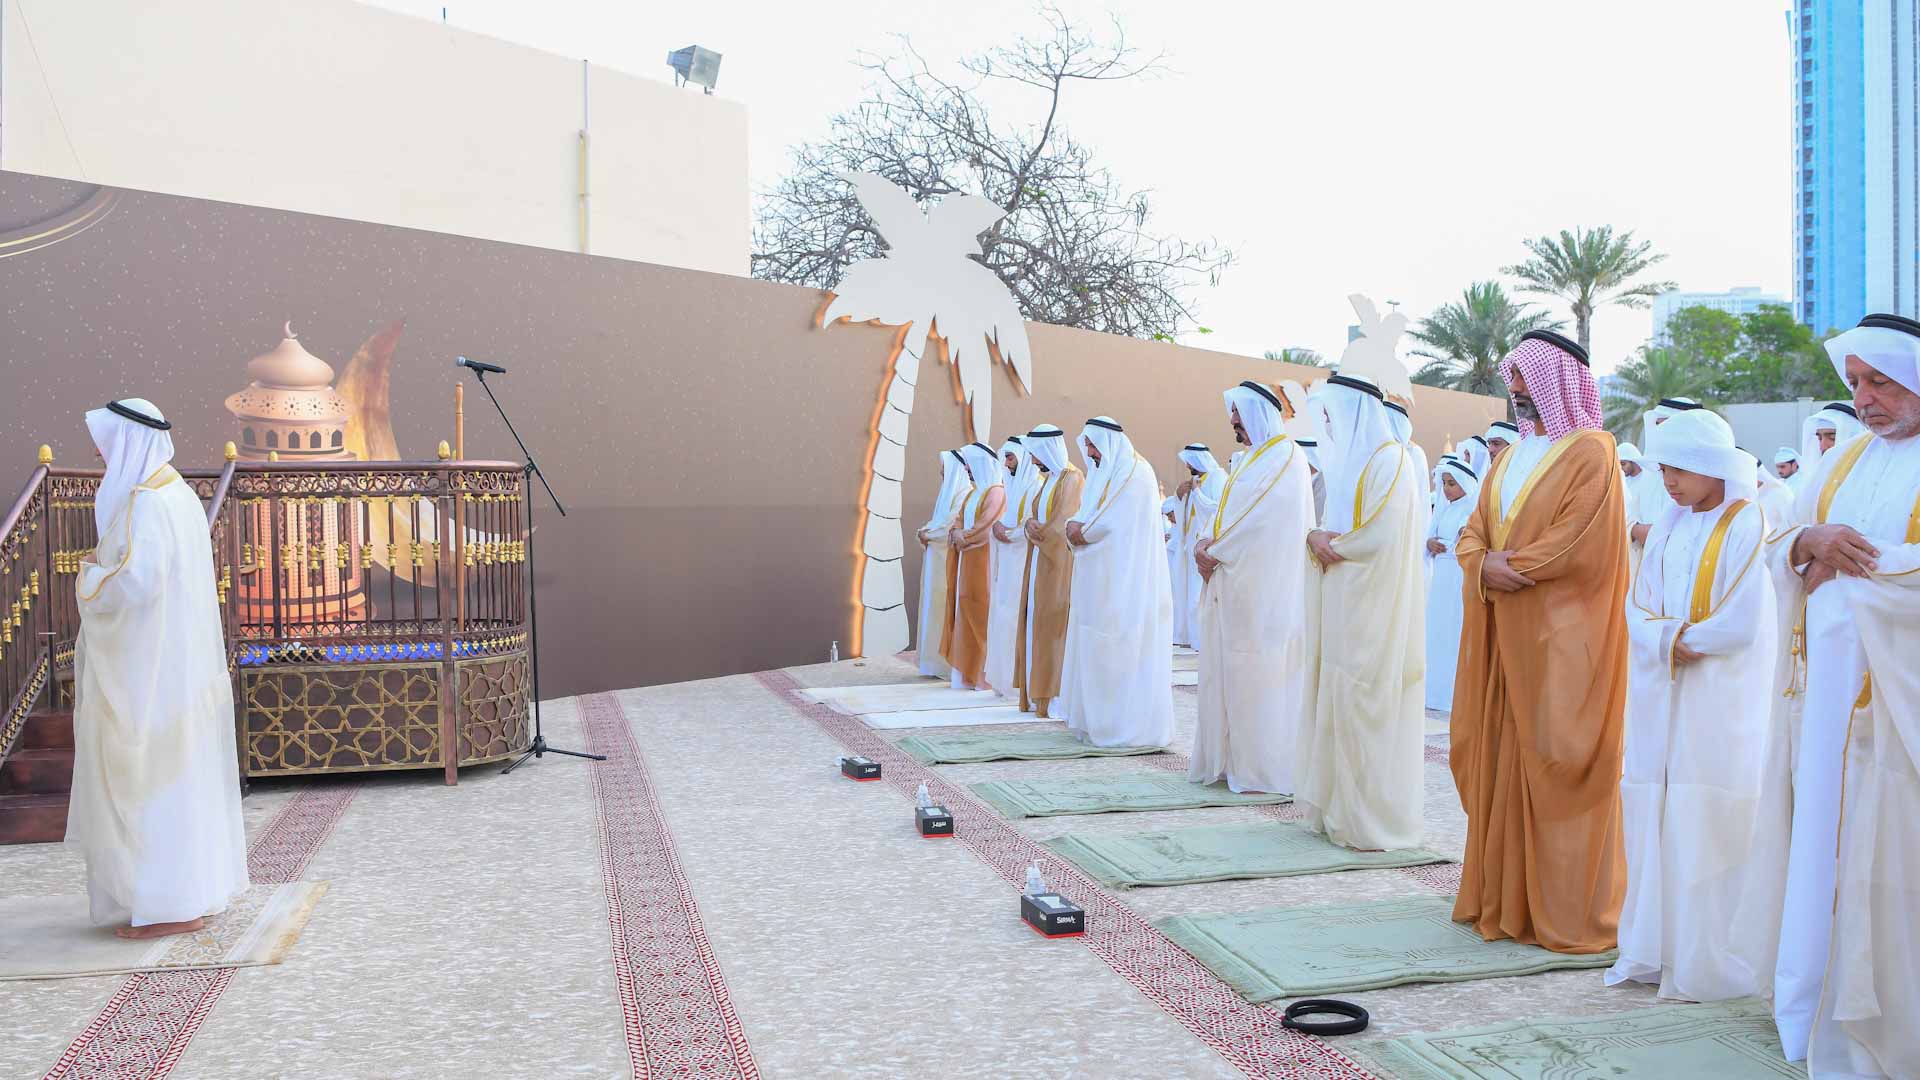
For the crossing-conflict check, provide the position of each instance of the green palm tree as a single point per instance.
(1640, 383)
(1589, 269)
(1464, 339)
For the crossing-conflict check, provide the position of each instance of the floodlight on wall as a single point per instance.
(696, 65)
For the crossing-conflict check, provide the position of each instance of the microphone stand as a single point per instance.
(532, 469)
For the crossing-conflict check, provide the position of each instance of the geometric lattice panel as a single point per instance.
(493, 707)
(342, 718)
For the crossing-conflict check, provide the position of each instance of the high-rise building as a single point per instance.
(1744, 300)
(1856, 169)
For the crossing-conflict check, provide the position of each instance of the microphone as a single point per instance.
(491, 369)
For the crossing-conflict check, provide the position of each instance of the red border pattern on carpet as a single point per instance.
(679, 1017)
(144, 1028)
(1250, 1037)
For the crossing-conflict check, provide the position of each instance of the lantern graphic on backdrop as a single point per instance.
(290, 410)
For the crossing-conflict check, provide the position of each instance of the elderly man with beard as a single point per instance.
(1541, 691)
(1845, 735)
(1254, 678)
(1118, 678)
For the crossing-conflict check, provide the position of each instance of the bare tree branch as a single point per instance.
(1074, 248)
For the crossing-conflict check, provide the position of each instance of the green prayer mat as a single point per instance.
(1108, 794)
(1222, 853)
(1047, 744)
(1308, 951)
(1728, 1040)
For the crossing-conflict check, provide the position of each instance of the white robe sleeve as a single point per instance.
(128, 565)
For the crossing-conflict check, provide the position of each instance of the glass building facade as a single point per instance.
(1856, 174)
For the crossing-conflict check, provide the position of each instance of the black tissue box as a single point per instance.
(859, 768)
(1053, 915)
(933, 820)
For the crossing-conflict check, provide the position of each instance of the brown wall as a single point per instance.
(707, 439)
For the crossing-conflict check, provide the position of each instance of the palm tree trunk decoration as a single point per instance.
(929, 286)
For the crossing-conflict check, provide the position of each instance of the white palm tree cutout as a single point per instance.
(927, 285)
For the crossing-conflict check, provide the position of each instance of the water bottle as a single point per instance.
(1035, 883)
(921, 798)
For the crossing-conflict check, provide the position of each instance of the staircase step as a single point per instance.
(47, 731)
(37, 772)
(33, 819)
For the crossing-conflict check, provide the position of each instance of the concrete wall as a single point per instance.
(1765, 427)
(333, 107)
(708, 439)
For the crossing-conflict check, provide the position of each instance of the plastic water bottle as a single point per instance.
(1035, 883)
(833, 654)
(921, 798)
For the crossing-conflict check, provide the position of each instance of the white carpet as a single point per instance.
(50, 937)
(999, 714)
(925, 696)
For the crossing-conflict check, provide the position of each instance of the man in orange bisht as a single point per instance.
(1540, 698)
(969, 569)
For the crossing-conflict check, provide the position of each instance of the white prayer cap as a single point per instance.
(1661, 412)
(1785, 454)
(1626, 451)
(953, 486)
(1890, 344)
(1047, 445)
(1260, 411)
(1199, 458)
(1169, 504)
(134, 439)
(1503, 431)
(1699, 441)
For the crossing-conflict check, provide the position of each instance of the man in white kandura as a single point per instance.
(1475, 453)
(1846, 980)
(1499, 436)
(1786, 466)
(1311, 447)
(1360, 759)
(1460, 490)
(955, 485)
(1021, 478)
(1700, 622)
(1198, 496)
(1402, 423)
(1834, 424)
(1254, 678)
(155, 809)
(1117, 683)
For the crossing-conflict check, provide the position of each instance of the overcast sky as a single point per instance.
(1401, 148)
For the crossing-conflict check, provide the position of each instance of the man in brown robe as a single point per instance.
(970, 569)
(1540, 698)
(1042, 642)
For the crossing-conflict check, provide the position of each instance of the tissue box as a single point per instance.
(933, 820)
(1053, 915)
(859, 768)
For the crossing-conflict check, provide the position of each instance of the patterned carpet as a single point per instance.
(715, 901)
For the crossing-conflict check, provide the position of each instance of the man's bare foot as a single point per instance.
(160, 929)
